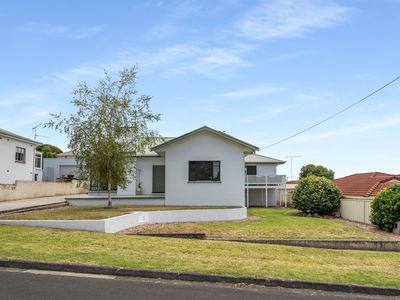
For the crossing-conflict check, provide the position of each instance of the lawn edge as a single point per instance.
(199, 277)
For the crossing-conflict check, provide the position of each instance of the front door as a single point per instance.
(158, 179)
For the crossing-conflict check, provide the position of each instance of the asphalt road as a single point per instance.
(35, 284)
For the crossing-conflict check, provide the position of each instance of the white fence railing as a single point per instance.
(357, 210)
(265, 180)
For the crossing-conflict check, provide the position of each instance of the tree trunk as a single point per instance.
(109, 204)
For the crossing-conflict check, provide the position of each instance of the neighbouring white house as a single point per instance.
(19, 158)
(262, 183)
(62, 167)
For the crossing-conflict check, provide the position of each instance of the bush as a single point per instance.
(316, 195)
(386, 207)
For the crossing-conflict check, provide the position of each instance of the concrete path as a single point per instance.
(36, 284)
(27, 203)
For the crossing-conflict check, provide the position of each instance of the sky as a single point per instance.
(258, 70)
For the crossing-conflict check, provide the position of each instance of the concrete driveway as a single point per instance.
(33, 202)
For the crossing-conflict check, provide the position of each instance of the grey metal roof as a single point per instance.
(149, 151)
(261, 159)
(17, 137)
(66, 154)
(206, 128)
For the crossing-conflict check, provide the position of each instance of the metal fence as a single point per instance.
(356, 209)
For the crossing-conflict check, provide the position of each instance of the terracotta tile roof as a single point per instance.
(365, 184)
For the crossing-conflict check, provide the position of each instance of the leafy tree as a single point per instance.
(317, 171)
(109, 128)
(49, 151)
(386, 207)
(316, 195)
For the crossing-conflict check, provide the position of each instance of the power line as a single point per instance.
(334, 115)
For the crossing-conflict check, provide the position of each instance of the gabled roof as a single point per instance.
(146, 153)
(365, 184)
(210, 130)
(261, 159)
(17, 137)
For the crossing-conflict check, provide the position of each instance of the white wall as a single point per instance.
(10, 171)
(145, 167)
(62, 166)
(204, 146)
(266, 169)
(115, 224)
(32, 189)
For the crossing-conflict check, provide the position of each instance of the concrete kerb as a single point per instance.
(367, 245)
(199, 277)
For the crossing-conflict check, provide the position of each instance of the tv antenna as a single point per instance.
(34, 130)
(291, 164)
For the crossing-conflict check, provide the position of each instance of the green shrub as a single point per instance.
(316, 195)
(386, 207)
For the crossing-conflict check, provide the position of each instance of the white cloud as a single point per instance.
(179, 59)
(359, 128)
(300, 100)
(255, 91)
(87, 32)
(290, 18)
(64, 30)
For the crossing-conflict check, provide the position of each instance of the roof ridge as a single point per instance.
(373, 187)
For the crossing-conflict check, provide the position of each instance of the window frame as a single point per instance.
(40, 157)
(255, 168)
(214, 179)
(20, 151)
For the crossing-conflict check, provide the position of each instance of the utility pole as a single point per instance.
(291, 164)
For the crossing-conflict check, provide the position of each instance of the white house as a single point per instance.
(206, 167)
(202, 167)
(19, 158)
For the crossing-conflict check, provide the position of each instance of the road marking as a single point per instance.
(69, 274)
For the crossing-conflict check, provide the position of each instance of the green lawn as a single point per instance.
(91, 212)
(274, 223)
(341, 266)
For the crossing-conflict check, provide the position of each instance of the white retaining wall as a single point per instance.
(115, 224)
(356, 209)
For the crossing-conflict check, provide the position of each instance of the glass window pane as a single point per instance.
(204, 170)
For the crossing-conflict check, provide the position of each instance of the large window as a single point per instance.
(38, 160)
(20, 155)
(204, 171)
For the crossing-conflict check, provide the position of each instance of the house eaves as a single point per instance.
(261, 159)
(11, 135)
